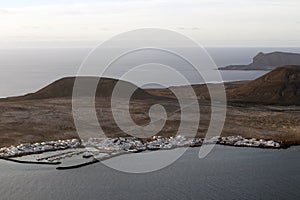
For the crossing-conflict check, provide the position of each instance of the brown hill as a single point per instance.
(279, 87)
(47, 114)
(63, 88)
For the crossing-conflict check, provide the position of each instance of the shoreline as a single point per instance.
(133, 145)
(37, 148)
(231, 141)
(30, 162)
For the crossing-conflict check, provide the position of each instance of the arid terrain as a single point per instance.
(266, 108)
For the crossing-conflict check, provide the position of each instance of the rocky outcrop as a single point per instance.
(268, 61)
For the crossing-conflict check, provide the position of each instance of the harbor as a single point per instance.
(74, 153)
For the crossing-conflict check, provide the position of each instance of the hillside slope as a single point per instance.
(280, 87)
(63, 88)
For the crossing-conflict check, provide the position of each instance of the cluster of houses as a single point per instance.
(132, 144)
(28, 148)
(240, 141)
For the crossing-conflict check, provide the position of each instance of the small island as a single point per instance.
(262, 113)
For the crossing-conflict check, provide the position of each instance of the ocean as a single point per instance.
(226, 173)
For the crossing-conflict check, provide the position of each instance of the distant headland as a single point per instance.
(268, 61)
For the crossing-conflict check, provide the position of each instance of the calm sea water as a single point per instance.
(227, 173)
(27, 70)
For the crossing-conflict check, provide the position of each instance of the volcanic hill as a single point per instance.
(278, 87)
(63, 88)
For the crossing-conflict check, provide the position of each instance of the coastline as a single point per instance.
(111, 147)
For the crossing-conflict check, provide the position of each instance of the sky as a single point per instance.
(268, 23)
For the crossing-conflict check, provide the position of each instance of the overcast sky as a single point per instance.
(210, 22)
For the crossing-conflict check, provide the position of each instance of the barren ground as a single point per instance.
(36, 120)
